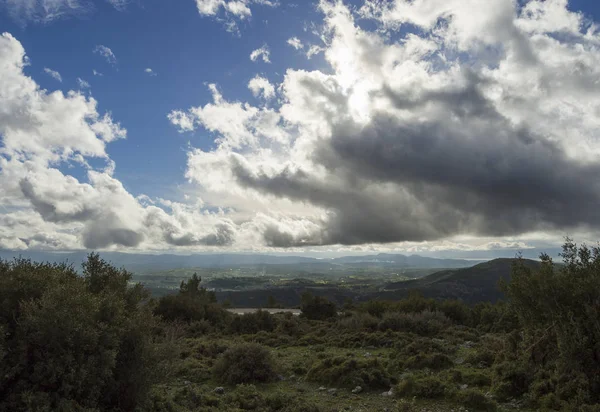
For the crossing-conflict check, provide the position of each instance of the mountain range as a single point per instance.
(147, 262)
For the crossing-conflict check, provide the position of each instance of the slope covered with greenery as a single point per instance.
(94, 342)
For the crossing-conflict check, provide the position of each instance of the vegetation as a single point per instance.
(94, 341)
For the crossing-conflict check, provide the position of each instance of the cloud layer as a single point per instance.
(446, 126)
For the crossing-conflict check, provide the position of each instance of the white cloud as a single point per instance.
(230, 11)
(42, 207)
(107, 53)
(82, 84)
(313, 50)
(408, 140)
(150, 71)
(261, 53)
(261, 87)
(53, 73)
(97, 73)
(47, 11)
(295, 43)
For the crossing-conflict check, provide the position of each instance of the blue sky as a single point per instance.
(249, 172)
(184, 49)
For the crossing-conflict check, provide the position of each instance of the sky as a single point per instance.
(423, 126)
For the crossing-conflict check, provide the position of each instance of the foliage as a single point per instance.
(475, 400)
(260, 320)
(73, 342)
(192, 303)
(245, 363)
(426, 323)
(426, 387)
(344, 372)
(559, 310)
(317, 307)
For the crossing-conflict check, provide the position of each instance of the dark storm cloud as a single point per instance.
(96, 237)
(472, 172)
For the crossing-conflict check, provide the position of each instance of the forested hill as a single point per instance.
(478, 283)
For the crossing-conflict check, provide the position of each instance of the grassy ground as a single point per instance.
(319, 364)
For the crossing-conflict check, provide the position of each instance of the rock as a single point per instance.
(368, 354)
(464, 386)
(186, 383)
(332, 392)
(219, 390)
(388, 393)
(357, 390)
(322, 388)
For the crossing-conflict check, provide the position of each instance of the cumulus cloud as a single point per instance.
(476, 122)
(261, 53)
(107, 53)
(259, 86)
(231, 11)
(42, 207)
(295, 43)
(53, 73)
(150, 72)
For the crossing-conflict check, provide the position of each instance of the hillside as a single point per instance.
(478, 283)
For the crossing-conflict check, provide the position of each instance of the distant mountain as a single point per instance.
(397, 260)
(147, 262)
(474, 284)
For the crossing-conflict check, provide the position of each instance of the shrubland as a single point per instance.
(96, 342)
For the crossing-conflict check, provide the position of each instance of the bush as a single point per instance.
(511, 380)
(73, 342)
(558, 309)
(434, 361)
(350, 373)
(250, 323)
(426, 323)
(191, 304)
(358, 322)
(245, 363)
(475, 400)
(317, 307)
(425, 387)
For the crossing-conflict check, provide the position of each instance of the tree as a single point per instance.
(192, 303)
(72, 342)
(559, 311)
(317, 307)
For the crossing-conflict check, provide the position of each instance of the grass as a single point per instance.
(423, 373)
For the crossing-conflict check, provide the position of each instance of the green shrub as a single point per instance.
(343, 372)
(358, 322)
(245, 363)
(425, 323)
(73, 342)
(475, 400)
(510, 380)
(476, 379)
(317, 307)
(245, 397)
(558, 309)
(481, 357)
(427, 387)
(249, 323)
(192, 303)
(434, 361)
